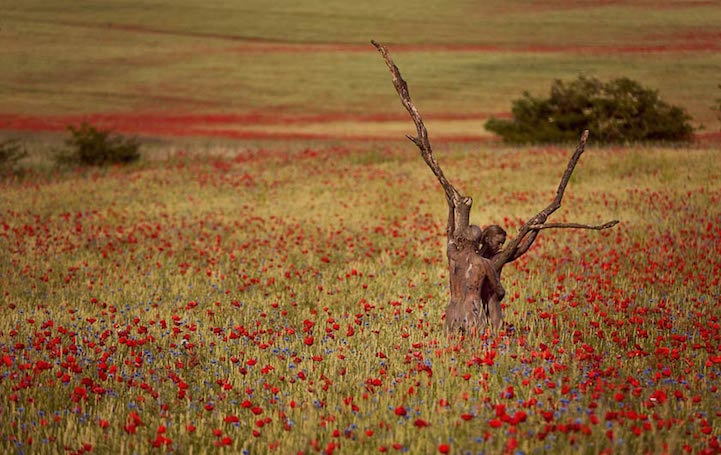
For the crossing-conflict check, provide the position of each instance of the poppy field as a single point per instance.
(289, 299)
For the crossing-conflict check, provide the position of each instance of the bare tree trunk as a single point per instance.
(459, 207)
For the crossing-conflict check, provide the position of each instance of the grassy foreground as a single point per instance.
(272, 300)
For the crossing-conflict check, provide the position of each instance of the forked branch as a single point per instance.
(459, 205)
(538, 221)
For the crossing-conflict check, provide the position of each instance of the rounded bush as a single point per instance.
(615, 112)
(91, 146)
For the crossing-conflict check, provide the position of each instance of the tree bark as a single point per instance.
(459, 208)
(598, 227)
(537, 222)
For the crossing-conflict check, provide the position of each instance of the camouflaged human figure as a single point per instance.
(476, 260)
(474, 285)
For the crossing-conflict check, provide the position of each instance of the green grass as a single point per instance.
(401, 21)
(110, 254)
(63, 59)
(98, 266)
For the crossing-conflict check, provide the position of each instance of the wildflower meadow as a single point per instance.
(291, 301)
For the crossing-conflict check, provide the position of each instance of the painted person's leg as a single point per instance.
(495, 315)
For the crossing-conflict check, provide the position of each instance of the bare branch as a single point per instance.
(598, 227)
(510, 252)
(459, 206)
(580, 148)
(421, 140)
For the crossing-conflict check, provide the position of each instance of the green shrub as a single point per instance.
(11, 151)
(91, 146)
(615, 112)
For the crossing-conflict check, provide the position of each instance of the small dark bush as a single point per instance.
(615, 112)
(91, 146)
(11, 151)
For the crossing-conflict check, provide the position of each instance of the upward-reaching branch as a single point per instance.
(421, 140)
(537, 221)
(459, 204)
(556, 203)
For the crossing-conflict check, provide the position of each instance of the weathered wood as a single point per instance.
(459, 205)
(537, 222)
(598, 227)
(459, 208)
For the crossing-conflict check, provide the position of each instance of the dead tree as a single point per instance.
(459, 207)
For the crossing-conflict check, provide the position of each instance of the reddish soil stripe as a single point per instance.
(709, 137)
(133, 120)
(202, 125)
(265, 118)
(234, 134)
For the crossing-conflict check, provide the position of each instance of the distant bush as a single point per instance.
(91, 146)
(617, 111)
(11, 151)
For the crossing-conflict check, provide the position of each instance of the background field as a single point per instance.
(289, 60)
(271, 278)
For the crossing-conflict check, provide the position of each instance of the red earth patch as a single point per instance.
(231, 126)
(244, 126)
